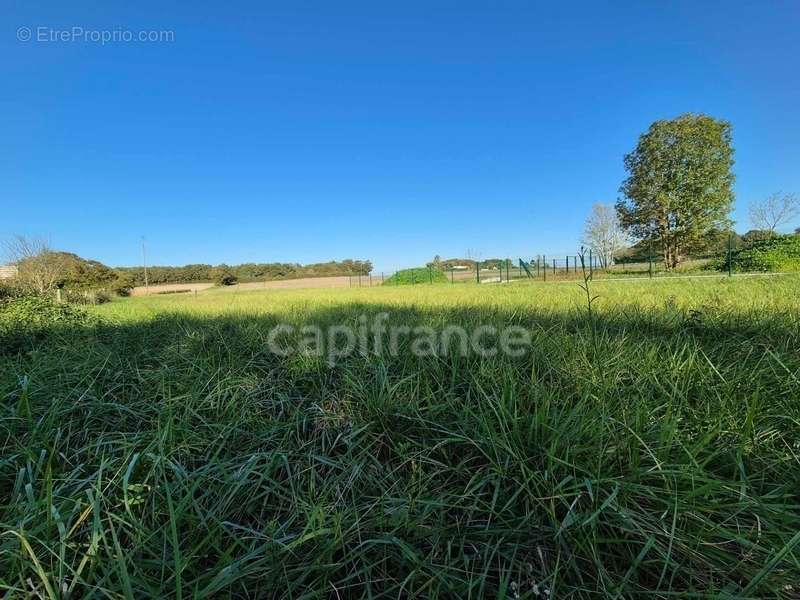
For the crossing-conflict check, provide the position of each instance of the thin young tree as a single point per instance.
(603, 233)
(774, 211)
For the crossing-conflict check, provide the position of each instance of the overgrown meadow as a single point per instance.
(646, 449)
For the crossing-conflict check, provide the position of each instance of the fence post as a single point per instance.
(451, 275)
(478, 271)
(430, 274)
(544, 267)
(650, 252)
(537, 265)
(591, 268)
(508, 269)
(381, 277)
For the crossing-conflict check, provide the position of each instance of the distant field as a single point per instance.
(487, 276)
(377, 278)
(170, 288)
(304, 282)
(646, 448)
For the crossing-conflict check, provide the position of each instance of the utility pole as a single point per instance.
(144, 264)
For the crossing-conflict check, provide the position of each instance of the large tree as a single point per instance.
(679, 186)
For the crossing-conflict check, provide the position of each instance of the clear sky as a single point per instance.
(391, 131)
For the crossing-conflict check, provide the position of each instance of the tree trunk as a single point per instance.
(673, 258)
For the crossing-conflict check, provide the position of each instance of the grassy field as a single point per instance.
(646, 449)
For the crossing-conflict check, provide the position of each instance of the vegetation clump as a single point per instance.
(223, 276)
(417, 275)
(26, 320)
(92, 296)
(778, 253)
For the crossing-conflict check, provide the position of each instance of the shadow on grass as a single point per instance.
(643, 451)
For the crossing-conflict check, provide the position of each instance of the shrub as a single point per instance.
(26, 320)
(87, 296)
(123, 285)
(40, 311)
(8, 291)
(223, 276)
(774, 254)
(417, 275)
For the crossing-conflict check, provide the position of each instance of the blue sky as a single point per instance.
(309, 131)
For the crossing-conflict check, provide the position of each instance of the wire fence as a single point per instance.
(557, 266)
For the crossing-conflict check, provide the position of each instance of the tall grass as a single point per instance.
(652, 452)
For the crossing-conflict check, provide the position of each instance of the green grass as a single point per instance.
(651, 451)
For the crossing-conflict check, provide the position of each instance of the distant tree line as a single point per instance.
(41, 269)
(244, 272)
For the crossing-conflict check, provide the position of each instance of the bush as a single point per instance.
(8, 291)
(37, 311)
(87, 296)
(223, 276)
(26, 320)
(417, 275)
(123, 285)
(779, 253)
